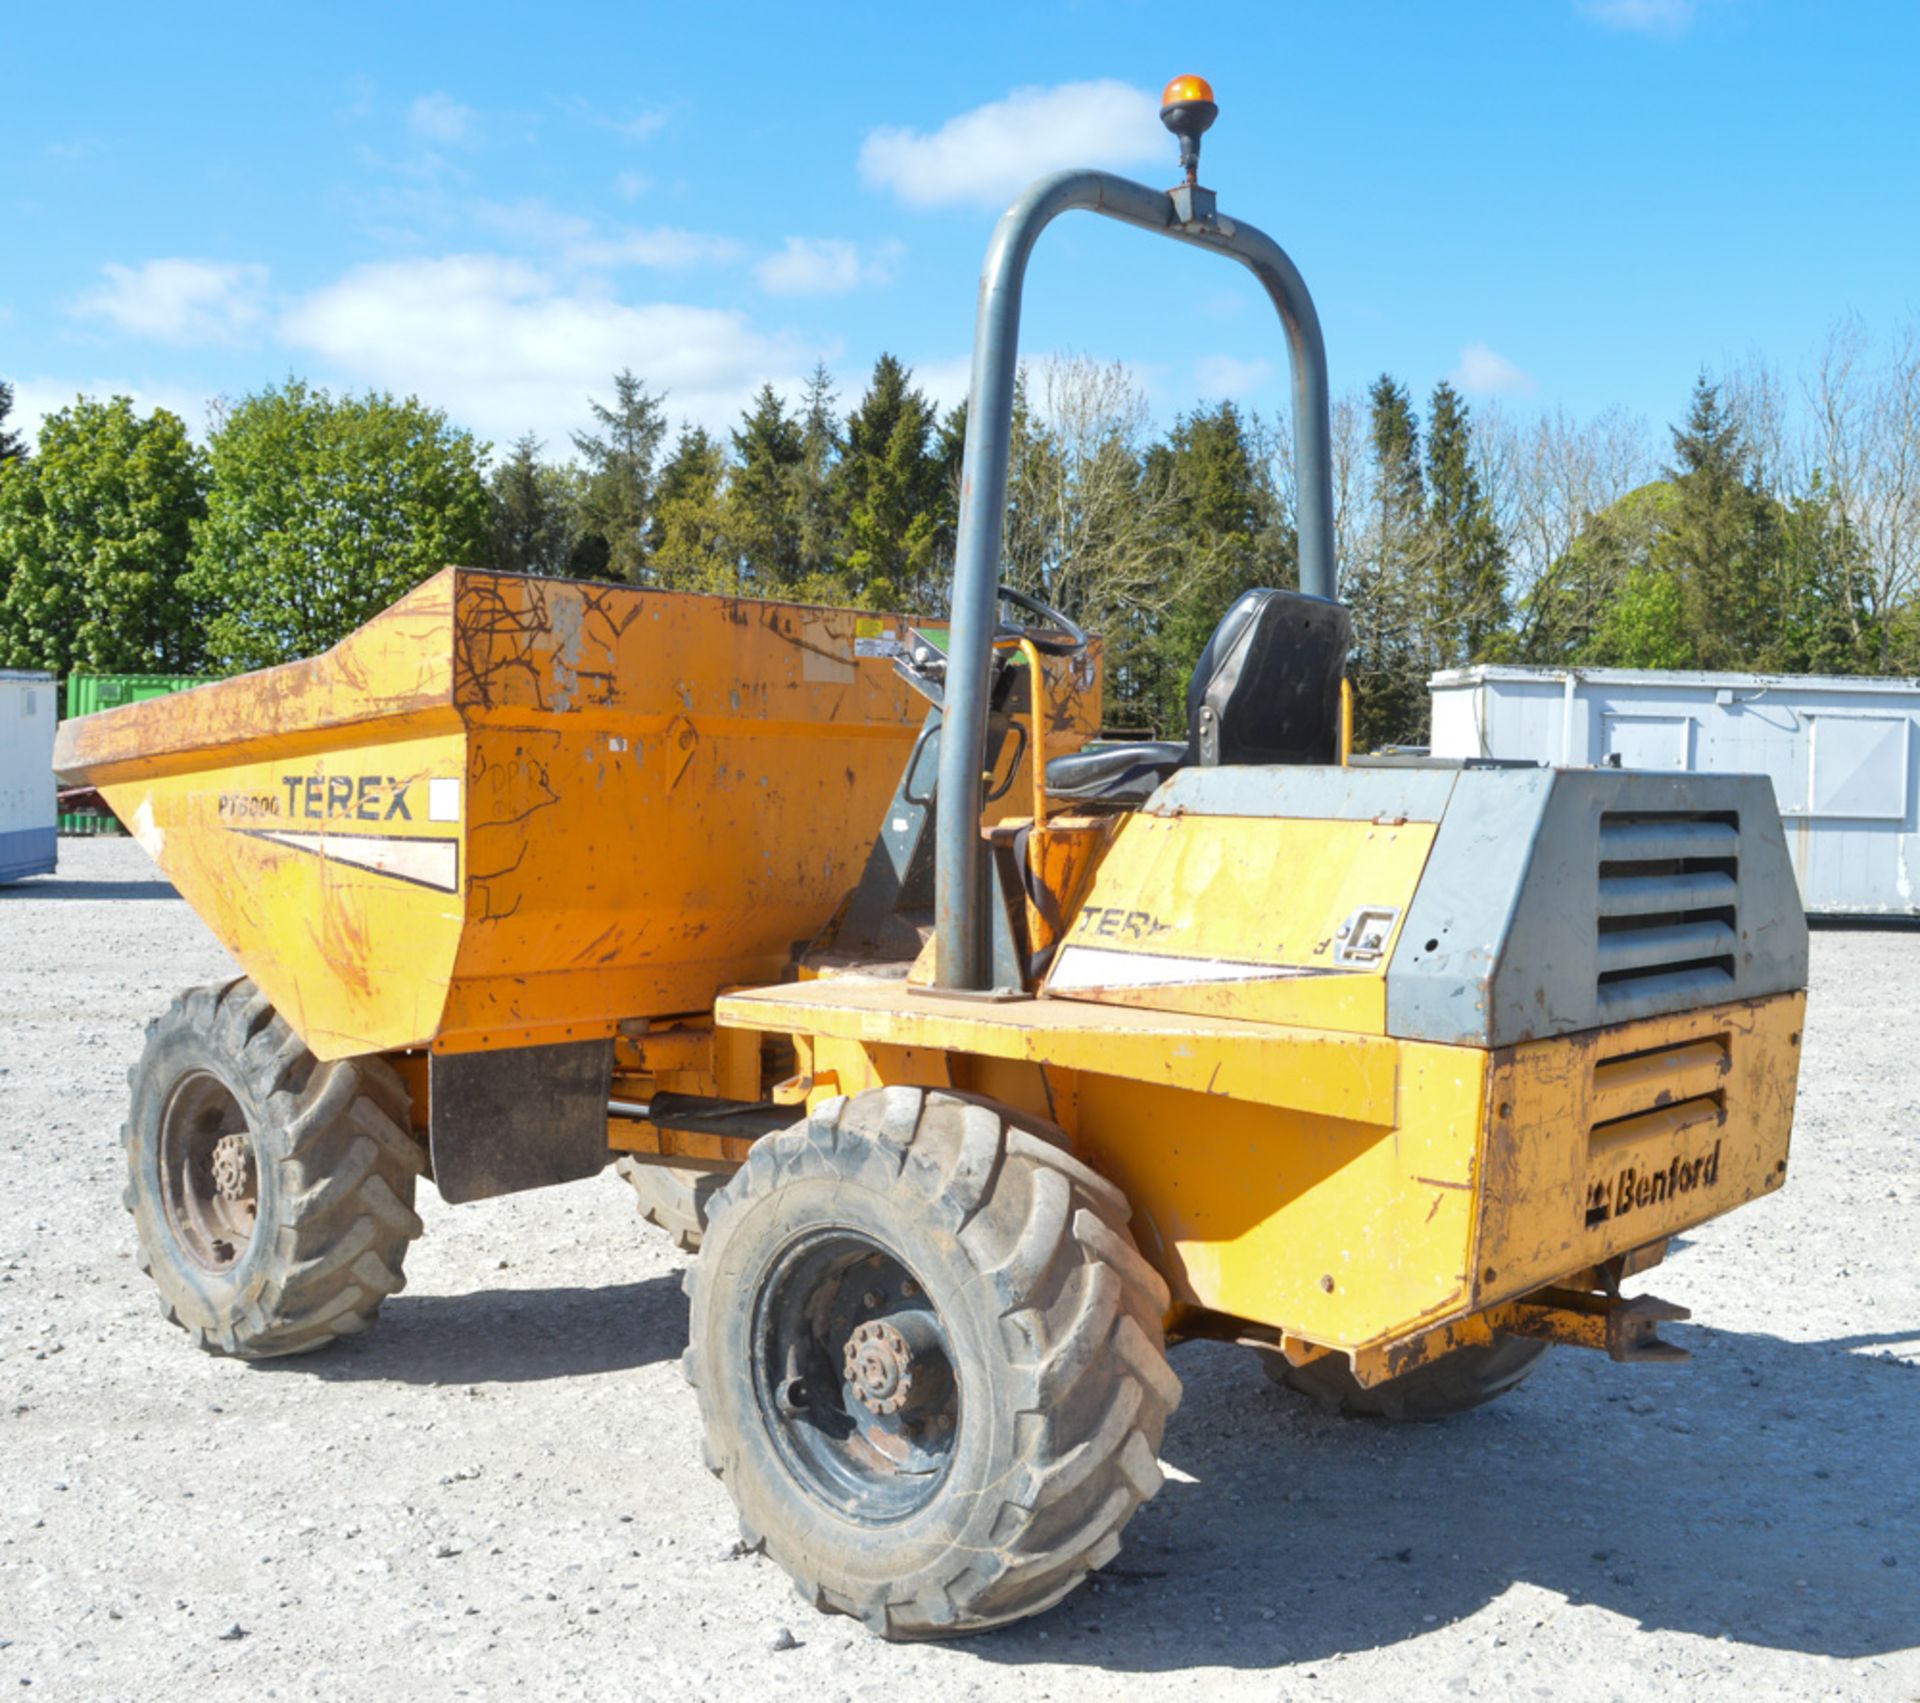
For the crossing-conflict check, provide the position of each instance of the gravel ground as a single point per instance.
(499, 1488)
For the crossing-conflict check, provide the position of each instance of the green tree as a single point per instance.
(1824, 622)
(620, 459)
(691, 548)
(816, 480)
(1574, 613)
(324, 510)
(889, 481)
(532, 510)
(1389, 585)
(12, 445)
(95, 536)
(1722, 537)
(764, 494)
(1644, 624)
(1469, 573)
(1220, 510)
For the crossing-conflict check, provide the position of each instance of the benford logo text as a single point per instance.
(1634, 1187)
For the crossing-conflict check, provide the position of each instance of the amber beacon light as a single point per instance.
(1187, 109)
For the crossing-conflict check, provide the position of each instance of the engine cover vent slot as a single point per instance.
(1668, 928)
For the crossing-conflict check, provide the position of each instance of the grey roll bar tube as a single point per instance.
(963, 959)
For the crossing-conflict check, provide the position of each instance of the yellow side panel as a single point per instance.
(1243, 917)
(397, 672)
(1353, 1077)
(1338, 1231)
(335, 878)
(643, 796)
(1590, 1154)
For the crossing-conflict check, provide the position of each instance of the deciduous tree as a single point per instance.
(95, 538)
(325, 509)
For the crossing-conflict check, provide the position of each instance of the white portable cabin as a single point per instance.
(1840, 752)
(28, 823)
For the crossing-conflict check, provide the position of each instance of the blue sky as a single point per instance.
(1557, 203)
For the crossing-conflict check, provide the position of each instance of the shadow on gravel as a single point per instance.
(506, 1336)
(59, 889)
(1768, 1494)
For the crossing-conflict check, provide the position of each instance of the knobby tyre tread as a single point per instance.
(337, 1166)
(673, 1199)
(1074, 1363)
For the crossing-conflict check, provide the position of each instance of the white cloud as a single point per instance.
(37, 397)
(947, 382)
(1217, 376)
(1481, 371)
(631, 185)
(1644, 17)
(179, 301)
(636, 129)
(664, 248)
(440, 118)
(828, 266)
(987, 155)
(507, 348)
(532, 223)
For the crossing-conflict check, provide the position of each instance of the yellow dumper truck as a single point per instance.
(978, 1060)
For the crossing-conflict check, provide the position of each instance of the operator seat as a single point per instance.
(1265, 690)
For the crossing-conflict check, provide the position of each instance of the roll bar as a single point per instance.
(963, 959)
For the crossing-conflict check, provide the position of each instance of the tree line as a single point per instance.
(1767, 534)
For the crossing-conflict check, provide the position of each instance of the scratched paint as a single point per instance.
(588, 889)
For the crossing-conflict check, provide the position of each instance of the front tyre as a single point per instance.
(272, 1193)
(929, 1361)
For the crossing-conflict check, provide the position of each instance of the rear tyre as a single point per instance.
(1455, 1383)
(673, 1199)
(272, 1193)
(929, 1361)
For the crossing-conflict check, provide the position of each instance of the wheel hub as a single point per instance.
(856, 1377)
(233, 1173)
(209, 1174)
(879, 1366)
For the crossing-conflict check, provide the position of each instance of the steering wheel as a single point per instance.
(1053, 635)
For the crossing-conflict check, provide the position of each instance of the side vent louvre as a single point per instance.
(1662, 1094)
(1668, 921)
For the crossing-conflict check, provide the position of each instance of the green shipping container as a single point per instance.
(89, 692)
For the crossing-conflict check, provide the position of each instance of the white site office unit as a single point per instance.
(1841, 754)
(28, 824)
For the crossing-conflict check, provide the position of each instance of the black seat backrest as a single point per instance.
(1267, 687)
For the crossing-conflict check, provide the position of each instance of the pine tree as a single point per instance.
(814, 479)
(1221, 507)
(763, 512)
(13, 447)
(1388, 589)
(1722, 537)
(620, 461)
(1469, 555)
(1395, 430)
(531, 531)
(689, 548)
(890, 492)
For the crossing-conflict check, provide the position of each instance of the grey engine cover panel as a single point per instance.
(1500, 945)
(1501, 942)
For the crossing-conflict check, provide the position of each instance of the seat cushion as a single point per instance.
(1113, 774)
